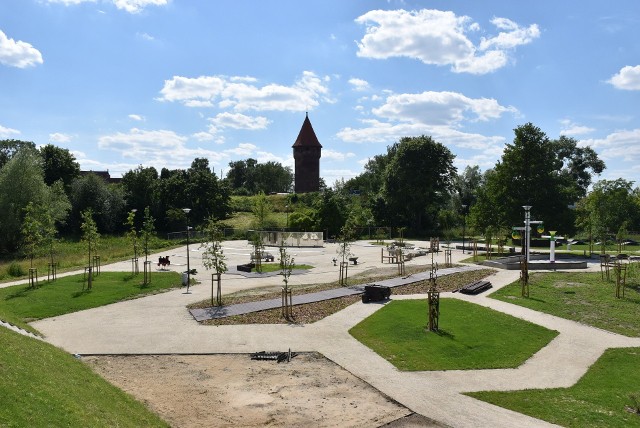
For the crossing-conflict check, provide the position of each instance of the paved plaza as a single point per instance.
(161, 324)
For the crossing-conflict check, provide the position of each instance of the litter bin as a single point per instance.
(185, 278)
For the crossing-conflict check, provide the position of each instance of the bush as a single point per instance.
(15, 270)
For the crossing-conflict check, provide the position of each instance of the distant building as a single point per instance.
(306, 152)
(104, 175)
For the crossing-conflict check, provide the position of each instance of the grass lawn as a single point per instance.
(275, 267)
(72, 254)
(41, 385)
(470, 337)
(20, 304)
(597, 400)
(582, 297)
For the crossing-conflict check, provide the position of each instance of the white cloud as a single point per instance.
(239, 94)
(621, 145)
(439, 38)
(375, 131)
(135, 6)
(161, 148)
(8, 132)
(570, 128)
(208, 136)
(359, 84)
(136, 117)
(131, 6)
(18, 53)
(146, 36)
(70, 2)
(58, 137)
(627, 78)
(243, 150)
(334, 155)
(439, 108)
(239, 121)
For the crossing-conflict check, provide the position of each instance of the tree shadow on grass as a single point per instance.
(81, 293)
(442, 333)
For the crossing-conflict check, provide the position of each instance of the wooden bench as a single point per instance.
(475, 287)
(354, 260)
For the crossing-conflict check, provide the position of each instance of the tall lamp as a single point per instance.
(186, 211)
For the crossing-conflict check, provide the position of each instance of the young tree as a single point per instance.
(213, 255)
(258, 246)
(147, 234)
(344, 251)
(262, 209)
(286, 266)
(90, 237)
(132, 234)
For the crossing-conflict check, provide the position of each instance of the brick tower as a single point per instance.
(306, 152)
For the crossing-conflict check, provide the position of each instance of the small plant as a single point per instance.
(15, 270)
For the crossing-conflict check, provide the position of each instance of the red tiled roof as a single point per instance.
(307, 137)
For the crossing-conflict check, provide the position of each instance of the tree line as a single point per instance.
(414, 186)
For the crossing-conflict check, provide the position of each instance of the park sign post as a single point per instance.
(527, 230)
(552, 244)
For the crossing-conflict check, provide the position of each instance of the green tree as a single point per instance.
(132, 234)
(8, 148)
(534, 170)
(248, 177)
(609, 206)
(331, 209)
(417, 182)
(59, 164)
(262, 209)
(105, 200)
(21, 182)
(90, 238)
(147, 235)
(579, 164)
(286, 266)
(139, 186)
(213, 255)
(32, 231)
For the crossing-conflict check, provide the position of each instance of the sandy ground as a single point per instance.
(233, 390)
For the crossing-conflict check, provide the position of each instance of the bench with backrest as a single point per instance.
(475, 287)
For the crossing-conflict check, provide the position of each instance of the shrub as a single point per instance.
(15, 270)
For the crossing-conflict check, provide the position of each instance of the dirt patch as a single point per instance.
(233, 390)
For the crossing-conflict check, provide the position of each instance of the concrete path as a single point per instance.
(216, 312)
(161, 324)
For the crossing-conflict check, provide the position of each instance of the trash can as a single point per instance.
(185, 278)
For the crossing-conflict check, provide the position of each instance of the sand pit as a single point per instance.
(235, 391)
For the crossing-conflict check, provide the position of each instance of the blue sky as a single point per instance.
(160, 82)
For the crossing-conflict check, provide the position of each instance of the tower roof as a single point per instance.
(307, 137)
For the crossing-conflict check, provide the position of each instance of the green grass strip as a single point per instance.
(20, 304)
(470, 336)
(582, 297)
(599, 399)
(42, 386)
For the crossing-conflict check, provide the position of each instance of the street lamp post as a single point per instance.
(527, 232)
(464, 224)
(135, 269)
(186, 211)
(287, 210)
